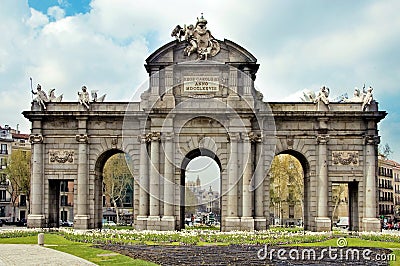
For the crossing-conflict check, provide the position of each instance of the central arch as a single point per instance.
(195, 153)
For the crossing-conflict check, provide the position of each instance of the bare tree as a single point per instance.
(117, 180)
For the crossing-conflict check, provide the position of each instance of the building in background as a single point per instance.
(11, 140)
(206, 200)
(388, 189)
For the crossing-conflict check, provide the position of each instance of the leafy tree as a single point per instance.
(18, 173)
(117, 180)
(287, 185)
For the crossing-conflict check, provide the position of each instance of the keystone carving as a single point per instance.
(372, 140)
(82, 138)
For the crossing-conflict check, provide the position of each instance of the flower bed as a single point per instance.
(193, 237)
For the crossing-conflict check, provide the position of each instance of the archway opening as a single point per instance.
(288, 191)
(201, 189)
(113, 189)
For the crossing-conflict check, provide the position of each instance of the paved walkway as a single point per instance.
(18, 254)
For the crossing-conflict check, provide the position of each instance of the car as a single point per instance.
(343, 222)
(21, 222)
(66, 223)
(109, 223)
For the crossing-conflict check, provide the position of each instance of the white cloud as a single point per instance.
(37, 19)
(56, 12)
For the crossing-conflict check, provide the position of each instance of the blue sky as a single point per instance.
(103, 44)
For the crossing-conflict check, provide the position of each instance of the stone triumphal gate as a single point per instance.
(201, 101)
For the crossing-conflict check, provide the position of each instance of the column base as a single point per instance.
(168, 223)
(154, 223)
(141, 223)
(371, 224)
(81, 222)
(231, 224)
(247, 224)
(260, 223)
(323, 224)
(36, 221)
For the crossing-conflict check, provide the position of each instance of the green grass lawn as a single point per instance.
(356, 242)
(82, 250)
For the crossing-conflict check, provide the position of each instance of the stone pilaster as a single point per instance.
(81, 219)
(247, 221)
(370, 220)
(141, 223)
(322, 221)
(260, 221)
(232, 221)
(37, 219)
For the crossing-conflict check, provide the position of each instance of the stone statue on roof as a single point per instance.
(84, 97)
(41, 96)
(53, 97)
(199, 39)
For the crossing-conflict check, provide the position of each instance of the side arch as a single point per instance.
(307, 186)
(98, 183)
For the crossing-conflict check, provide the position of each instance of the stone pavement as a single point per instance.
(20, 254)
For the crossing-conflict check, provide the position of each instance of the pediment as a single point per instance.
(173, 53)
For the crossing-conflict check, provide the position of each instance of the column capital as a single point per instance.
(322, 139)
(82, 138)
(154, 136)
(143, 138)
(246, 136)
(233, 136)
(167, 136)
(255, 137)
(36, 138)
(372, 140)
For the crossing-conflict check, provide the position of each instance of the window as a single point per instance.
(3, 195)
(3, 163)
(4, 149)
(64, 186)
(22, 200)
(64, 215)
(64, 200)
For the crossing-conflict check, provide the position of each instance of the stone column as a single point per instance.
(260, 222)
(370, 220)
(37, 219)
(247, 221)
(322, 221)
(154, 182)
(143, 183)
(168, 217)
(82, 215)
